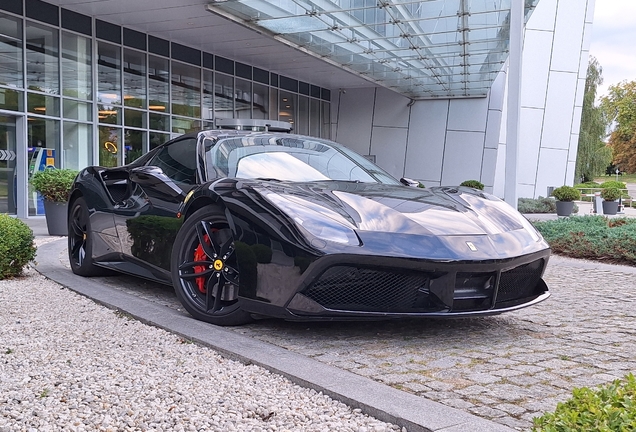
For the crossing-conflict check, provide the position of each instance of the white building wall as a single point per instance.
(444, 142)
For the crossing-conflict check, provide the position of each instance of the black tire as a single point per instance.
(203, 265)
(80, 241)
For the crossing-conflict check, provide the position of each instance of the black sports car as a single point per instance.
(247, 225)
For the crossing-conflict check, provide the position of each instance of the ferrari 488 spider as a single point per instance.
(247, 225)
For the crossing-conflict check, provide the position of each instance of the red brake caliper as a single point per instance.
(199, 255)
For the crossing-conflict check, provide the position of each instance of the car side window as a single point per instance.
(178, 161)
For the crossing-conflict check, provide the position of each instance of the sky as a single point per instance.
(614, 41)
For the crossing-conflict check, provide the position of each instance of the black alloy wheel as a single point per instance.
(204, 267)
(80, 241)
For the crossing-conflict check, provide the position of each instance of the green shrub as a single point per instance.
(16, 246)
(566, 193)
(539, 205)
(608, 408)
(473, 184)
(592, 237)
(613, 184)
(610, 194)
(54, 184)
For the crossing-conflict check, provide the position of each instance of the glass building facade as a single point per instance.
(77, 91)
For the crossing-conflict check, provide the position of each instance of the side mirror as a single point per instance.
(154, 177)
(409, 182)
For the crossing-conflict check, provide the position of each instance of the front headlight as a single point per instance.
(315, 220)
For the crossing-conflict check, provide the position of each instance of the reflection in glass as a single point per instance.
(223, 96)
(287, 108)
(44, 105)
(135, 144)
(260, 102)
(302, 125)
(158, 84)
(326, 120)
(42, 58)
(108, 83)
(7, 165)
(78, 145)
(208, 95)
(186, 90)
(243, 99)
(184, 125)
(11, 100)
(44, 133)
(11, 48)
(134, 79)
(159, 122)
(273, 104)
(76, 66)
(109, 143)
(135, 118)
(314, 117)
(77, 110)
(156, 139)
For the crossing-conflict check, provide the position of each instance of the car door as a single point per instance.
(146, 220)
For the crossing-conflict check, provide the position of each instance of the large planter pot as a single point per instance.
(564, 208)
(56, 217)
(610, 207)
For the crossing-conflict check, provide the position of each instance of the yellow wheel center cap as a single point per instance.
(218, 265)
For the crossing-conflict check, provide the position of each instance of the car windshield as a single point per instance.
(289, 159)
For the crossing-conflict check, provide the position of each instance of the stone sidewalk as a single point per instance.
(508, 368)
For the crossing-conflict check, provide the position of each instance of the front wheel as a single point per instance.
(204, 269)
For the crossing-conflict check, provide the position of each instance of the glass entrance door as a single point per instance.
(8, 175)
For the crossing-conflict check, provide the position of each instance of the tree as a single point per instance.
(593, 154)
(619, 107)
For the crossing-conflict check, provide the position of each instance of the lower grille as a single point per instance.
(359, 289)
(519, 283)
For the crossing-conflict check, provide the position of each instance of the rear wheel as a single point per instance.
(80, 241)
(204, 269)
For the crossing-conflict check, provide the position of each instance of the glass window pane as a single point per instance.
(42, 104)
(135, 144)
(42, 58)
(287, 110)
(184, 125)
(109, 141)
(135, 118)
(156, 139)
(11, 48)
(243, 99)
(159, 122)
(208, 95)
(78, 145)
(223, 96)
(109, 82)
(158, 84)
(76, 66)
(273, 104)
(78, 110)
(134, 79)
(108, 114)
(302, 123)
(45, 133)
(314, 117)
(326, 120)
(11, 100)
(260, 102)
(186, 90)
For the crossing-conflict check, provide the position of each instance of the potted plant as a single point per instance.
(610, 196)
(565, 195)
(55, 185)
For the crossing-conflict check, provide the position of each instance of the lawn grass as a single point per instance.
(592, 237)
(625, 178)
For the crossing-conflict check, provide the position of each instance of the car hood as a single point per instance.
(395, 208)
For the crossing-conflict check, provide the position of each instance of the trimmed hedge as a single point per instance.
(16, 246)
(587, 185)
(592, 237)
(613, 184)
(566, 193)
(606, 409)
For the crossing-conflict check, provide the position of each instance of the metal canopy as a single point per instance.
(421, 49)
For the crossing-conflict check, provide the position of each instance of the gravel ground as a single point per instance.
(67, 363)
